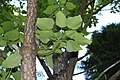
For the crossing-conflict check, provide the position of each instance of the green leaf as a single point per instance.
(21, 37)
(49, 61)
(1, 30)
(70, 33)
(70, 6)
(66, 11)
(45, 23)
(60, 19)
(12, 35)
(74, 22)
(84, 32)
(44, 36)
(62, 1)
(57, 46)
(44, 53)
(51, 1)
(12, 61)
(51, 9)
(7, 26)
(2, 43)
(102, 2)
(62, 44)
(72, 46)
(80, 39)
(58, 51)
(17, 75)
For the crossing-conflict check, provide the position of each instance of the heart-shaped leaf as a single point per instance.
(74, 22)
(72, 46)
(45, 23)
(60, 19)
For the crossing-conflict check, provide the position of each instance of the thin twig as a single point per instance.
(84, 71)
(102, 7)
(82, 56)
(107, 70)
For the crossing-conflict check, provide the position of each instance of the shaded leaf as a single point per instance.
(45, 23)
(17, 75)
(44, 53)
(44, 36)
(62, 1)
(51, 9)
(2, 43)
(59, 51)
(1, 30)
(51, 1)
(49, 61)
(70, 6)
(12, 35)
(7, 26)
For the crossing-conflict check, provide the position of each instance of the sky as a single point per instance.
(105, 18)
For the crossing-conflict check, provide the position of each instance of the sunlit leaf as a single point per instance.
(45, 23)
(60, 19)
(12, 61)
(72, 46)
(70, 33)
(79, 38)
(74, 22)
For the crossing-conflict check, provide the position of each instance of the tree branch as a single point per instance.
(46, 68)
(83, 8)
(102, 7)
(71, 65)
(82, 56)
(115, 76)
(91, 13)
(107, 70)
(84, 71)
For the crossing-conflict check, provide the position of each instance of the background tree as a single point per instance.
(104, 51)
(60, 30)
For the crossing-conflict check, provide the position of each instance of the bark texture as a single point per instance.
(59, 67)
(28, 50)
(63, 66)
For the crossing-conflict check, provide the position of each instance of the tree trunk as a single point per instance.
(28, 50)
(63, 66)
(59, 67)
